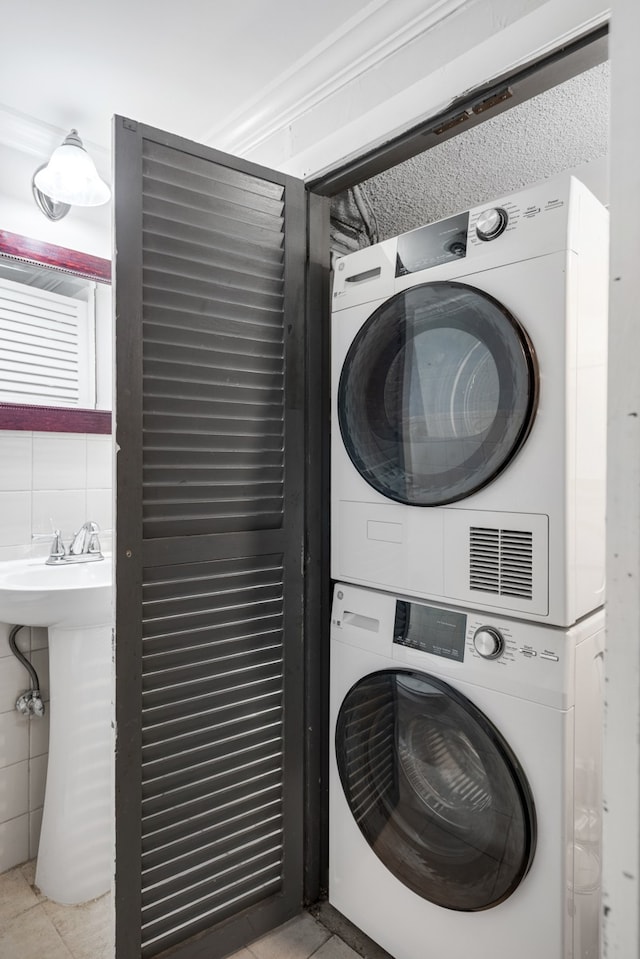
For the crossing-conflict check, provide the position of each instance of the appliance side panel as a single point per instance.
(591, 309)
(587, 844)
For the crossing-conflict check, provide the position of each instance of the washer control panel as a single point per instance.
(460, 636)
(479, 647)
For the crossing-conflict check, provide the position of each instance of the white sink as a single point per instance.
(75, 852)
(77, 594)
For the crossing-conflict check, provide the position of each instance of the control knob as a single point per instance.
(488, 642)
(491, 223)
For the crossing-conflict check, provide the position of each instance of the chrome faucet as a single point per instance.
(84, 547)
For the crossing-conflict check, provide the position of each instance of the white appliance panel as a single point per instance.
(544, 694)
(549, 271)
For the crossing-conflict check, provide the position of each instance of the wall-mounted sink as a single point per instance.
(74, 601)
(77, 594)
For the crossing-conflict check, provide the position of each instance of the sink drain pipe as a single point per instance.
(30, 703)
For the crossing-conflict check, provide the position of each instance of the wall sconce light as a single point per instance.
(69, 179)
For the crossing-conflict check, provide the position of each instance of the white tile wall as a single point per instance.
(40, 661)
(37, 782)
(47, 481)
(14, 790)
(16, 460)
(39, 637)
(99, 507)
(59, 461)
(35, 824)
(59, 509)
(99, 463)
(14, 737)
(39, 734)
(13, 680)
(14, 842)
(15, 511)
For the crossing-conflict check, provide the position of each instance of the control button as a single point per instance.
(527, 651)
(491, 223)
(551, 656)
(488, 642)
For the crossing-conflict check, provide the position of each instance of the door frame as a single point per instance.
(563, 63)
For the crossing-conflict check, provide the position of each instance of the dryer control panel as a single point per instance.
(432, 245)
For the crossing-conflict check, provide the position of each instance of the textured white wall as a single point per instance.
(561, 129)
(622, 719)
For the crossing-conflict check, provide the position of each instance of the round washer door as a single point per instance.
(437, 394)
(435, 790)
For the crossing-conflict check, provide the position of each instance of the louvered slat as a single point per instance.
(261, 785)
(207, 796)
(212, 740)
(206, 247)
(185, 347)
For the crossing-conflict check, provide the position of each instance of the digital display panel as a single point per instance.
(432, 245)
(440, 632)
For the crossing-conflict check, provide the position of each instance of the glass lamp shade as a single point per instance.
(71, 177)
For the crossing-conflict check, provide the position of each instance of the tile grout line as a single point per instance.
(322, 944)
(56, 931)
(24, 912)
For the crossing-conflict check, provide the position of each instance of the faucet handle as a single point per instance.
(94, 541)
(58, 551)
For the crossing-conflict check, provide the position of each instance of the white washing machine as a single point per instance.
(469, 408)
(465, 779)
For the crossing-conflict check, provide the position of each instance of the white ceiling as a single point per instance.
(183, 66)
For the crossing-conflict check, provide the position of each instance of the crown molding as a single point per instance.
(38, 139)
(321, 132)
(367, 39)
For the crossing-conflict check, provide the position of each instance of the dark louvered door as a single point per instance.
(210, 280)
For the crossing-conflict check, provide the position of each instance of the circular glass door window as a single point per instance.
(437, 394)
(435, 790)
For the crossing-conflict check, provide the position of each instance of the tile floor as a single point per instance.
(320, 932)
(32, 927)
(300, 938)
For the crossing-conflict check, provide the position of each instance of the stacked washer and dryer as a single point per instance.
(468, 510)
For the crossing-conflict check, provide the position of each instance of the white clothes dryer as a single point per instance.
(469, 407)
(465, 785)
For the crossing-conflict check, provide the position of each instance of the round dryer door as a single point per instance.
(437, 394)
(435, 790)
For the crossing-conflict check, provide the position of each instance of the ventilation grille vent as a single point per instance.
(46, 348)
(501, 562)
